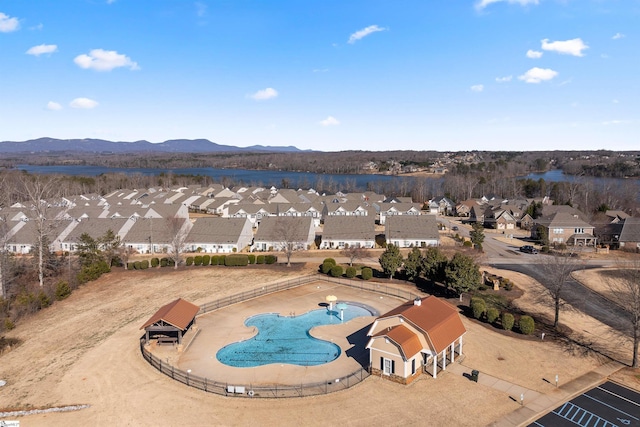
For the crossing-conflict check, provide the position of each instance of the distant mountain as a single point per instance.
(49, 145)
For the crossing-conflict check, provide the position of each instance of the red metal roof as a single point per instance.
(178, 313)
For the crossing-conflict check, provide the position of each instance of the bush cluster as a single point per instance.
(236, 260)
(478, 305)
(92, 271)
(366, 273)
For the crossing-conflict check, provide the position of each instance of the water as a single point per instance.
(243, 176)
(282, 339)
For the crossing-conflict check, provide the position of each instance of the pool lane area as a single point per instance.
(227, 326)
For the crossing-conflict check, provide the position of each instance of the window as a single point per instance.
(558, 231)
(387, 366)
(578, 230)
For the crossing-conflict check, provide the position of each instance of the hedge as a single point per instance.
(189, 261)
(366, 273)
(270, 259)
(197, 260)
(136, 265)
(330, 261)
(155, 262)
(527, 325)
(252, 258)
(222, 260)
(492, 314)
(206, 259)
(336, 271)
(326, 267)
(236, 260)
(215, 260)
(260, 259)
(144, 264)
(351, 272)
(130, 266)
(478, 307)
(507, 321)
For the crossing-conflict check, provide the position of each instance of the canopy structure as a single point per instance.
(171, 321)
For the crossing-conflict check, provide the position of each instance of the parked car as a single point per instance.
(528, 249)
(454, 228)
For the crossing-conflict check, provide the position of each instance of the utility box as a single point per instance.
(474, 375)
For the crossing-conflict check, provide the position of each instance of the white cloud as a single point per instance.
(104, 60)
(477, 88)
(618, 36)
(567, 47)
(364, 32)
(330, 121)
(534, 54)
(201, 9)
(537, 75)
(615, 122)
(504, 79)
(615, 101)
(320, 70)
(8, 24)
(83, 103)
(264, 94)
(42, 49)
(481, 4)
(53, 106)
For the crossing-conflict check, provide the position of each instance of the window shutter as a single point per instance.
(393, 366)
(382, 363)
(413, 366)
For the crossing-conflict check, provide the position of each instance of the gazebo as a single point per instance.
(171, 321)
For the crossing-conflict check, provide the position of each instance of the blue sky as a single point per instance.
(328, 75)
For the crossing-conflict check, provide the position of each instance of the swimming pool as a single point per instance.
(286, 339)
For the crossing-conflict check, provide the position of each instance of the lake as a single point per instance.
(240, 176)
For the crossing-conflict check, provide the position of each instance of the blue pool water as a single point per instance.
(283, 339)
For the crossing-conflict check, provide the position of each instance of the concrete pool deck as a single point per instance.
(226, 325)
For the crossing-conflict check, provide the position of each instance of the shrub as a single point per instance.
(155, 262)
(222, 260)
(492, 314)
(197, 260)
(136, 265)
(236, 260)
(130, 266)
(527, 325)
(336, 271)
(252, 258)
(366, 273)
(478, 307)
(544, 249)
(144, 264)
(507, 321)
(215, 260)
(206, 259)
(260, 259)
(8, 324)
(506, 284)
(330, 261)
(326, 267)
(63, 290)
(351, 272)
(189, 261)
(270, 259)
(93, 271)
(467, 244)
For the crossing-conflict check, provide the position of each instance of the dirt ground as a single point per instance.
(84, 350)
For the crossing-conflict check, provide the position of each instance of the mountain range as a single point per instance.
(50, 145)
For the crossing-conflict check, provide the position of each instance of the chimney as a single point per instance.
(417, 301)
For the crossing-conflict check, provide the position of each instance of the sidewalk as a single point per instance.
(536, 404)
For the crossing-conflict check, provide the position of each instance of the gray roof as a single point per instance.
(281, 228)
(349, 228)
(630, 230)
(216, 230)
(411, 227)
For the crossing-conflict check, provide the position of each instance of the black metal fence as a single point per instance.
(271, 391)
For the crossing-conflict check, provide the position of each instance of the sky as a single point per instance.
(331, 75)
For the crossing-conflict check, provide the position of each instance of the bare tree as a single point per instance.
(623, 286)
(178, 230)
(38, 190)
(557, 268)
(291, 234)
(4, 253)
(354, 253)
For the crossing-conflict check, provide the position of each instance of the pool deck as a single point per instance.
(225, 326)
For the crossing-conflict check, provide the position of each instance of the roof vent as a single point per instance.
(417, 301)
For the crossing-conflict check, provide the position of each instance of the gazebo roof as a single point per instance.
(178, 313)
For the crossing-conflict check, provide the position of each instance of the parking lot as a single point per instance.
(607, 405)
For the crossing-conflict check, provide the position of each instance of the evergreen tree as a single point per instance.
(477, 235)
(390, 260)
(413, 264)
(462, 274)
